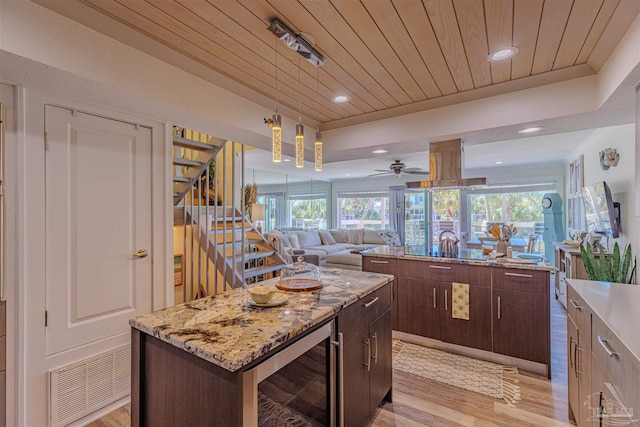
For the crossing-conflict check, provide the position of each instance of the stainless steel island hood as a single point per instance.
(445, 168)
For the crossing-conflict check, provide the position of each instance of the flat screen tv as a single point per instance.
(601, 213)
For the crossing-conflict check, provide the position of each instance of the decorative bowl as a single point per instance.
(262, 294)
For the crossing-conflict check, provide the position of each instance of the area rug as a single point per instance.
(475, 375)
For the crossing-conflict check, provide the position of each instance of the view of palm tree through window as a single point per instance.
(363, 210)
(308, 213)
(520, 208)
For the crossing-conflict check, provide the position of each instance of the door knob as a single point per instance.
(141, 253)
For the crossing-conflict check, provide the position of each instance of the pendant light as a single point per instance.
(317, 149)
(276, 123)
(299, 128)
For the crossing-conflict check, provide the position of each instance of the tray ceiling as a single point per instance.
(389, 56)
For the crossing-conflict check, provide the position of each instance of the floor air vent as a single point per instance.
(83, 387)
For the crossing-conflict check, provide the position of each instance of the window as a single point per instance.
(308, 211)
(363, 210)
(520, 206)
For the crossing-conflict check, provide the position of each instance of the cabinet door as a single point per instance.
(356, 379)
(419, 304)
(521, 325)
(574, 392)
(475, 332)
(583, 371)
(380, 379)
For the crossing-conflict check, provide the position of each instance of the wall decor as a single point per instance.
(609, 157)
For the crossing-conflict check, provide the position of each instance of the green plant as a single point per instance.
(612, 267)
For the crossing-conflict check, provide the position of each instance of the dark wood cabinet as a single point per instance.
(425, 303)
(521, 322)
(386, 266)
(475, 332)
(366, 329)
(381, 361)
(419, 306)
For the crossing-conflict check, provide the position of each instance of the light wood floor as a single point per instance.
(420, 402)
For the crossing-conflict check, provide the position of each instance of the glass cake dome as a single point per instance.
(300, 276)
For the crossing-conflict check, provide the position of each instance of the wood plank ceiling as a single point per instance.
(381, 53)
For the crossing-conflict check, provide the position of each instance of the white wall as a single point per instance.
(620, 179)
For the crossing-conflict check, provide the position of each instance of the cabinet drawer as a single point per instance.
(521, 280)
(580, 313)
(380, 265)
(436, 271)
(620, 367)
(612, 400)
(364, 311)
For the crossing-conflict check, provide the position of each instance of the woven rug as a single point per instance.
(487, 378)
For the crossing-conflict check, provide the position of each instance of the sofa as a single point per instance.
(334, 248)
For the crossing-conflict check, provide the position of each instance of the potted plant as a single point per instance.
(611, 268)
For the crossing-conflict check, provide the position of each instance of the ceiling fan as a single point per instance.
(397, 168)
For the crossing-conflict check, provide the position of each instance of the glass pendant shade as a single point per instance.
(317, 152)
(276, 138)
(299, 146)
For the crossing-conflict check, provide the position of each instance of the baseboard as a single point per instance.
(524, 365)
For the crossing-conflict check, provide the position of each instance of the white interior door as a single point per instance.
(98, 215)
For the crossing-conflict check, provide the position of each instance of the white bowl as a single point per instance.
(262, 294)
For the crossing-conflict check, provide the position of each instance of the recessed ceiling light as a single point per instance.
(499, 162)
(380, 151)
(347, 174)
(502, 54)
(341, 99)
(531, 129)
(286, 160)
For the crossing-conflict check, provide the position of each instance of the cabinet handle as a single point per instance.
(527, 276)
(373, 261)
(607, 348)
(434, 298)
(440, 267)
(572, 362)
(340, 345)
(368, 363)
(375, 348)
(574, 305)
(370, 303)
(446, 304)
(578, 351)
(499, 308)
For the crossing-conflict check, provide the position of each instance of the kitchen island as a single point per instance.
(494, 309)
(200, 363)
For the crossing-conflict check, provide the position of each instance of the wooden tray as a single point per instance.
(299, 285)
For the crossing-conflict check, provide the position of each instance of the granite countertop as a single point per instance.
(466, 257)
(229, 333)
(617, 305)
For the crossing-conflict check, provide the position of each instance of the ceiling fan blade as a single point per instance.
(412, 169)
(417, 172)
(378, 174)
(382, 170)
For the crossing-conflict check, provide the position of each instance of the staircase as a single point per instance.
(219, 234)
(241, 253)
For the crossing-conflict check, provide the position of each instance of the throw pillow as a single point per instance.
(308, 239)
(326, 237)
(391, 237)
(340, 236)
(293, 238)
(356, 237)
